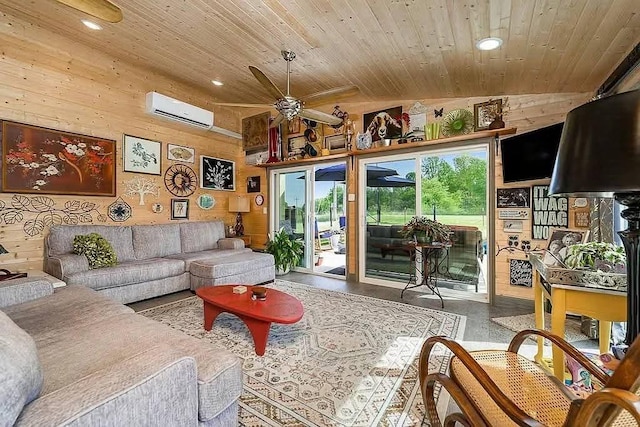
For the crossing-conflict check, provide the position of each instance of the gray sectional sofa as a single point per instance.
(74, 357)
(155, 260)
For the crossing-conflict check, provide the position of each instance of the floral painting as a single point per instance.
(47, 161)
(217, 174)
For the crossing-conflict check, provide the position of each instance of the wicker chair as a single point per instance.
(501, 388)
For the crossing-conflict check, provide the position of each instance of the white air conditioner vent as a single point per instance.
(164, 106)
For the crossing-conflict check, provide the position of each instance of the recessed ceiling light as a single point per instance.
(217, 83)
(489, 43)
(91, 24)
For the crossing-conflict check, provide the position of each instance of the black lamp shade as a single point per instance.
(3, 250)
(599, 151)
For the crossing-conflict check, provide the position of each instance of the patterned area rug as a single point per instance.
(350, 361)
(528, 321)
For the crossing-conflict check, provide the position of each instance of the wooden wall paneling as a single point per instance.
(54, 82)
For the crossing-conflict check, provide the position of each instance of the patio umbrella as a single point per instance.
(388, 181)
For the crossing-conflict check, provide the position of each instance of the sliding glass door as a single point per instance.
(449, 186)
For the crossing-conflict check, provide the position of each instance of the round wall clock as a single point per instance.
(180, 180)
(259, 199)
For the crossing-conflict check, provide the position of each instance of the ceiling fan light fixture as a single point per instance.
(490, 43)
(217, 82)
(90, 24)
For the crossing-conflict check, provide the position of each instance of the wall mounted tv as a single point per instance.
(530, 155)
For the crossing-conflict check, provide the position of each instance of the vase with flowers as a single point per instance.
(425, 230)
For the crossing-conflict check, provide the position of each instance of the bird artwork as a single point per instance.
(438, 113)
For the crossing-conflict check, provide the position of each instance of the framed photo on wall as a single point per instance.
(178, 153)
(253, 184)
(558, 244)
(141, 155)
(486, 112)
(335, 143)
(255, 132)
(383, 124)
(179, 208)
(38, 160)
(217, 174)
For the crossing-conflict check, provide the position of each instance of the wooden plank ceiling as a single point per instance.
(390, 49)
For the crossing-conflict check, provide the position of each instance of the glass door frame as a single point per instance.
(437, 149)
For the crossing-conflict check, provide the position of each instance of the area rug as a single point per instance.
(350, 361)
(338, 271)
(528, 321)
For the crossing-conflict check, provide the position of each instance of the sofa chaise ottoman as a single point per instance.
(75, 357)
(246, 269)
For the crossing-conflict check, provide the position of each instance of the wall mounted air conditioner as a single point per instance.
(164, 106)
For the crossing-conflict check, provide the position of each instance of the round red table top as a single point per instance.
(279, 307)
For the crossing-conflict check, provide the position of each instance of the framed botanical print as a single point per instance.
(141, 155)
(38, 160)
(217, 174)
(179, 153)
(179, 208)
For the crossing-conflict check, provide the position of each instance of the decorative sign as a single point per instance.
(119, 211)
(520, 273)
(581, 219)
(513, 226)
(513, 197)
(548, 211)
(513, 214)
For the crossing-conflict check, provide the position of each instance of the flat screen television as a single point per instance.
(530, 155)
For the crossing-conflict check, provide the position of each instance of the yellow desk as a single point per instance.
(605, 305)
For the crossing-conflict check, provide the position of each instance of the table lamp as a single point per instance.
(239, 204)
(599, 156)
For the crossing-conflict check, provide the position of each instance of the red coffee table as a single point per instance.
(257, 315)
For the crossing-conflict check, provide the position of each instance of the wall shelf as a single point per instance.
(409, 146)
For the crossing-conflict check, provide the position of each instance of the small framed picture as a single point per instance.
(141, 155)
(217, 174)
(294, 126)
(513, 197)
(179, 153)
(486, 112)
(560, 239)
(335, 143)
(179, 208)
(253, 184)
(296, 145)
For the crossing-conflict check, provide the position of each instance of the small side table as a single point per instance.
(246, 239)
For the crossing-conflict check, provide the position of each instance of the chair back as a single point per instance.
(343, 222)
(625, 377)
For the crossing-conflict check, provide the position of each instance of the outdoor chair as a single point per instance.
(501, 388)
(322, 239)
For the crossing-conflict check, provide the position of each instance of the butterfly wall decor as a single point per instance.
(438, 113)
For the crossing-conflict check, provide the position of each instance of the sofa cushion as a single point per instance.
(200, 236)
(188, 258)
(156, 241)
(96, 249)
(60, 239)
(127, 273)
(20, 370)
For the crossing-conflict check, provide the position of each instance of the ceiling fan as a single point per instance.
(102, 9)
(288, 106)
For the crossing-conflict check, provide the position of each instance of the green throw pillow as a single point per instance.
(96, 248)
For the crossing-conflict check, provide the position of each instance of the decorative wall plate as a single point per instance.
(119, 211)
(180, 180)
(206, 201)
(157, 208)
(457, 122)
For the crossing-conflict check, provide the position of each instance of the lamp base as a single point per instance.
(631, 240)
(239, 226)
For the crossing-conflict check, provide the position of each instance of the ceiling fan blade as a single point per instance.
(264, 81)
(234, 104)
(276, 122)
(102, 9)
(331, 95)
(319, 116)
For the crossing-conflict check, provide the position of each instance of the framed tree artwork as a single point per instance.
(141, 155)
(38, 160)
(217, 174)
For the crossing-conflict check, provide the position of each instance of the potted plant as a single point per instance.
(600, 256)
(426, 230)
(286, 251)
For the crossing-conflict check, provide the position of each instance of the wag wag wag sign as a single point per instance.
(548, 212)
